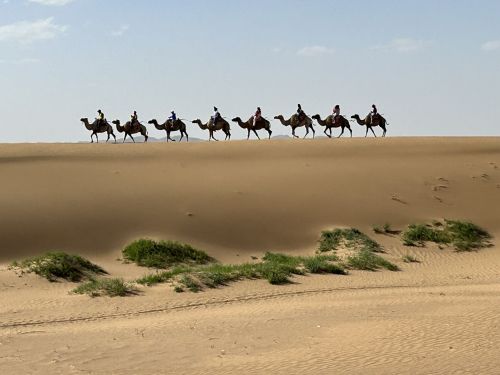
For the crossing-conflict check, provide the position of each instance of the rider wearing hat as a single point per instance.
(172, 117)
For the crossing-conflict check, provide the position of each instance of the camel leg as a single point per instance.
(187, 137)
(366, 135)
(314, 132)
(350, 130)
(256, 134)
(97, 137)
(326, 133)
(168, 137)
(213, 137)
(385, 131)
(108, 138)
(248, 136)
(133, 140)
(342, 132)
(270, 132)
(307, 132)
(92, 138)
(145, 138)
(293, 133)
(124, 138)
(373, 132)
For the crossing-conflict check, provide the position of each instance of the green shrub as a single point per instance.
(464, 236)
(163, 254)
(367, 260)
(105, 287)
(59, 265)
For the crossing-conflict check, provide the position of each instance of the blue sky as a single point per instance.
(433, 67)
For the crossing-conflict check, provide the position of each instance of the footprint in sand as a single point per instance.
(493, 165)
(396, 198)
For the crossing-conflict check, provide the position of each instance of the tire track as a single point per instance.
(199, 304)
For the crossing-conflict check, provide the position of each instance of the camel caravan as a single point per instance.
(218, 123)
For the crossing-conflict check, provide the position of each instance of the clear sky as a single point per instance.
(432, 67)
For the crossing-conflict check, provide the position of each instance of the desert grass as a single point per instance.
(163, 254)
(58, 265)
(275, 268)
(364, 249)
(105, 287)
(410, 259)
(462, 235)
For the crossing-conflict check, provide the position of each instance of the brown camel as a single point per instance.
(329, 124)
(102, 128)
(262, 123)
(130, 129)
(220, 125)
(169, 127)
(294, 122)
(370, 123)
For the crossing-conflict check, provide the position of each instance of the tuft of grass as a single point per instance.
(368, 261)
(322, 264)
(410, 259)
(163, 254)
(351, 238)
(105, 287)
(463, 236)
(59, 265)
(190, 283)
(275, 268)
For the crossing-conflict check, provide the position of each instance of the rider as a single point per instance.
(374, 112)
(100, 118)
(216, 116)
(300, 112)
(257, 116)
(134, 118)
(336, 113)
(172, 117)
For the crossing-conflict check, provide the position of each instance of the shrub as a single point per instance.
(163, 254)
(105, 287)
(59, 265)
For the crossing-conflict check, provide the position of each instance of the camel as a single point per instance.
(103, 128)
(295, 123)
(129, 130)
(169, 127)
(220, 125)
(262, 123)
(329, 124)
(370, 124)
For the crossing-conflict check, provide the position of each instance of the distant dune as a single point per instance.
(237, 196)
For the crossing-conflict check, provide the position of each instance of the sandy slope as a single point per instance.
(239, 199)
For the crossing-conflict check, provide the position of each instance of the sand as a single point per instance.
(236, 200)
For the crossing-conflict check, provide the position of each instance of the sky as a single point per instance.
(432, 67)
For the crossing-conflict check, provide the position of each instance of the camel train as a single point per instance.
(252, 125)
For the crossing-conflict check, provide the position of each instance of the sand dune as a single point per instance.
(239, 199)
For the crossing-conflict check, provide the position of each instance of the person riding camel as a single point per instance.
(100, 118)
(134, 119)
(172, 117)
(300, 113)
(257, 116)
(336, 113)
(216, 117)
(374, 113)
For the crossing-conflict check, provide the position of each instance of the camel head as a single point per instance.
(356, 117)
(84, 119)
(316, 117)
(197, 121)
(153, 121)
(116, 122)
(236, 119)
